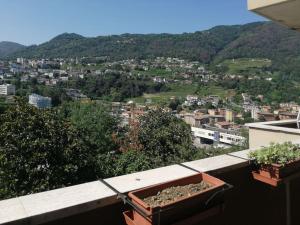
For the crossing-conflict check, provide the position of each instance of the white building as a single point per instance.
(254, 113)
(7, 89)
(223, 136)
(20, 61)
(39, 101)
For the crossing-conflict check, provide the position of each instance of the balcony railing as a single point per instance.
(250, 202)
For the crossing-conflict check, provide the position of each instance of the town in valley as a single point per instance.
(190, 90)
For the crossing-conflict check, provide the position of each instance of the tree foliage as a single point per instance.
(132, 161)
(79, 142)
(38, 151)
(115, 86)
(165, 138)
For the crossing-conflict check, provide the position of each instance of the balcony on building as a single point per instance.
(285, 12)
(249, 202)
(262, 134)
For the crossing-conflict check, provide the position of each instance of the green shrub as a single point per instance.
(132, 161)
(276, 154)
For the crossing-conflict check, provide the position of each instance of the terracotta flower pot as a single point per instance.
(274, 174)
(178, 210)
(192, 220)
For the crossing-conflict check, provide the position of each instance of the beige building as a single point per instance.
(262, 134)
(287, 13)
(213, 112)
(229, 116)
(287, 115)
(189, 118)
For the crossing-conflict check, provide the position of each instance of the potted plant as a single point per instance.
(174, 201)
(274, 163)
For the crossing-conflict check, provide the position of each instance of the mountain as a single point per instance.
(260, 39)
(67, 37)
(201, 46)
(267, 40)
(7, 48)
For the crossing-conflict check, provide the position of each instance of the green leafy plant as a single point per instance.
(276, 154)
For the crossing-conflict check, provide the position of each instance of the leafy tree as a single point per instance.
(115, 87)
(57, 94)
(98, 132)
(132, 161)
(38, 151)
(174, 104)
(166, 139)
(95, 124)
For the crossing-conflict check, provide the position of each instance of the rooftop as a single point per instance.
(285, 12)
(289, 126)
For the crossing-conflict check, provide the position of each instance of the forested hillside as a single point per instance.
(7, 48)
(254, 40)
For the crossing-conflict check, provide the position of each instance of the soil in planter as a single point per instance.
(172, 194)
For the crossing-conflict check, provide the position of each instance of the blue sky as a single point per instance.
(36, 21)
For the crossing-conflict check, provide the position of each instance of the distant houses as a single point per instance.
(195, 100)
(75, 94)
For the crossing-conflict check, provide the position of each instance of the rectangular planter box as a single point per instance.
(278, 171)
(177, 210)
(274, 174)
(193, 220)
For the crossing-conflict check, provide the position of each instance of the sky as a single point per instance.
(37, 21)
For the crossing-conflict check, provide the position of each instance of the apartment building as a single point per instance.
(7, 89)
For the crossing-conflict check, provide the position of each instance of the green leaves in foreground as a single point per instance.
(276, 154)
(38, 151)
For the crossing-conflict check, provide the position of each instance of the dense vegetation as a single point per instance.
(276, 154)
(115, 86)
(75, 143)
(279, 89)
(165, 137)
(38, 151)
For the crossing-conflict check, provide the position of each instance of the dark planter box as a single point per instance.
(274, 174)
(176, 211)
(192, 220)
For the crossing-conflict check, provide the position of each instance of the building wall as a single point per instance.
(260, 137)
(7, 89)
(229, 116)
(39, 101)
(190, 119)
(223, 137)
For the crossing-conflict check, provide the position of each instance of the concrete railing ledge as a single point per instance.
(275, 126)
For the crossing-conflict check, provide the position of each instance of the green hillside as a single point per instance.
(265, 40)
(8, 48)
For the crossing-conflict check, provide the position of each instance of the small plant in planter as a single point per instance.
(181, 201)
(275, 162)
